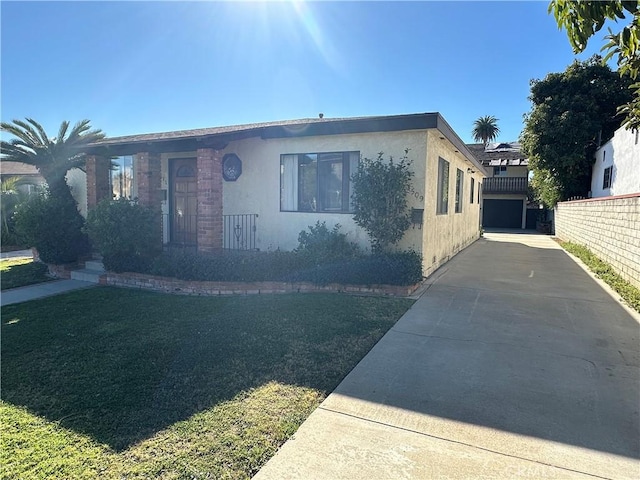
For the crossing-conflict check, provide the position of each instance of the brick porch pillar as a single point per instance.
(209, 199)
(98, 187)
(148, 180)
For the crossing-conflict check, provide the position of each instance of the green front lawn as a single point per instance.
(18, 272)
(121, 384)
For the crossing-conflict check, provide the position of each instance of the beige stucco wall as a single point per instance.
(258, 188)
(446, 235)
(609, 227)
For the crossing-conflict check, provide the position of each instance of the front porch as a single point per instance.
(186, 191)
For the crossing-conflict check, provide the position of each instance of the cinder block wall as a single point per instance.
(609, 227)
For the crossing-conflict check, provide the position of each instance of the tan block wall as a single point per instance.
(609, 227)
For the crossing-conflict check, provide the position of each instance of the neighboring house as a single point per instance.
(258, 186)
(616, 170)
(29, 175)
(31, 179)
(504, 192)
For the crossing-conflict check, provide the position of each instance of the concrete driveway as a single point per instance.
(515, 363)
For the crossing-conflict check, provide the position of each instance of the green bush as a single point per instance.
(403, 268)
(54, 226)
(322, 244)
(126, 234)
(380, 199)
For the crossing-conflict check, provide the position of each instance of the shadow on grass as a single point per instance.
(120, 365)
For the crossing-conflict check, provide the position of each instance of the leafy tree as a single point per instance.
(485, 129)
(380, 199)
(53, 157)
(582, 19)
(571, 112)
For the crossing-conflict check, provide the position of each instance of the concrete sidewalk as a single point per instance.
(17, 254)
(515, 363)
(41, 290)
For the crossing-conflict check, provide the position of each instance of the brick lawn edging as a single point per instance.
(192, 287)
(186, 287)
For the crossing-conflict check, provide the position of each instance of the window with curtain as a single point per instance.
(317, 182)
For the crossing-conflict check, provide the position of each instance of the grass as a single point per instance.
(18, 272)
(604, 271)
(121, 384)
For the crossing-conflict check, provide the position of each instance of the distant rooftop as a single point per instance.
(17, 169)
(499, 154)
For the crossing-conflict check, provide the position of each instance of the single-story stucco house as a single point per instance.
(257, 186)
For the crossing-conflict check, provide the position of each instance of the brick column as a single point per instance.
(209, 200)
(98, 187)
(148, 180)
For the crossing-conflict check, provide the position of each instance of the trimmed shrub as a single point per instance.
(126, 234)
(403, 268)
(322, 244)
(53, 226)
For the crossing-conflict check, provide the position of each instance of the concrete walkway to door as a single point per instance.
(515, 363)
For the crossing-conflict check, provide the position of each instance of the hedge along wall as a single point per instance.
(609, 227)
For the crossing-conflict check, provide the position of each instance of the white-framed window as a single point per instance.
(442, 207)
(121, 177)
(608, 174)
(500, 171)
(459, 189)
(317, 182)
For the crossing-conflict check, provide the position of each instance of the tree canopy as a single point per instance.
(582, 19)
(53, 157)
(572, 113)
(485, 129)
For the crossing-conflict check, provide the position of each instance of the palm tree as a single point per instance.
(53, 157)
(485, 129)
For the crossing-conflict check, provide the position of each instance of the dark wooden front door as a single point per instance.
(184, 201)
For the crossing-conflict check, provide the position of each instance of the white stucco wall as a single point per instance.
(623, 152)
(77, 181)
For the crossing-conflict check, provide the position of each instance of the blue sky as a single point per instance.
(159, 66)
